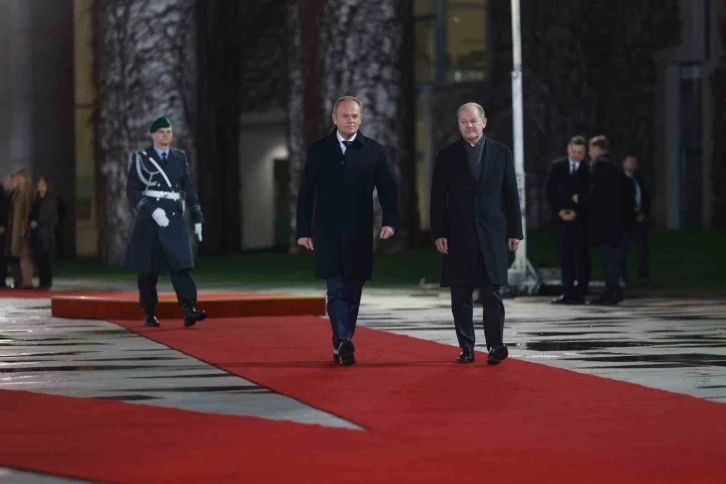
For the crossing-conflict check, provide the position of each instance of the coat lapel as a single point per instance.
(487, 161)
(464, 162)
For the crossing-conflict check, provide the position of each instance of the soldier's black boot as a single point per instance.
(192, 315)
(150, 320)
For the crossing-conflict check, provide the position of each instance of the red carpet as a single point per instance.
(125, 305)
(120, 295)
(426, 419)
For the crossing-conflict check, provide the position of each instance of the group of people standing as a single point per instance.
(29, 219)
(597, 203)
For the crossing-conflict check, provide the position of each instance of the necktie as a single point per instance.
(163, 156)
(346, 144)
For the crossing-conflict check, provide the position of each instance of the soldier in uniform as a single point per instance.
(158, 181)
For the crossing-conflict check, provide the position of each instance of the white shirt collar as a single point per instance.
(341, 139)
(159, 151)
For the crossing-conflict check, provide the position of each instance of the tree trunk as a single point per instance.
(220, 92)
(369, 59)
(305, 123)
(147, 68)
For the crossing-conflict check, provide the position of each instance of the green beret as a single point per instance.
(162, 122)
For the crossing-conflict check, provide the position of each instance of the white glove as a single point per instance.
(198, 231)
(159, 216)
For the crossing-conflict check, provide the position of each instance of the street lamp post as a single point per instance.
(522, 274)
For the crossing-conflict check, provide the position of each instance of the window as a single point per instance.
(424, 40)
(465, 40)
(450, 40)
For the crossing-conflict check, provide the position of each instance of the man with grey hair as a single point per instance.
(341, 172)
(475, 217)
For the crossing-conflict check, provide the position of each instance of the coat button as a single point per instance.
(157, 199)
(173, 213)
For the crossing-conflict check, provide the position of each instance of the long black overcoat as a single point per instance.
(151, 248)
(605, 203)
(336, 191)
(476, 218)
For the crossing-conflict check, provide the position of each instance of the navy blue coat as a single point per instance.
(605, 203)
(338, 190)
(476, 218)
(151, 248)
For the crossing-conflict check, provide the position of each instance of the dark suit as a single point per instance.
(571, 237)
(605, 221)
(636, 201)
(336, 190)
(477, 213)
(42, 238)
(5, 198)
(153, 250)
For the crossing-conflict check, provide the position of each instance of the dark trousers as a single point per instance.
(3, 262)
(636, 236)
(342, 306)
(45, 269)
(574, 255)
(462, 308)
(184, 286)
(610, 256)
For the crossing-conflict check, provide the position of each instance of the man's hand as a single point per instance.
(576, 198)
(306, 242)
(513, 244)
(198, 231)
(386, 232)
(567, 215)
(442, 245)
(641, 218)
(33, 224)
(159, 216)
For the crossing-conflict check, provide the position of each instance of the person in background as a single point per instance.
(18, 223)
(43, 223)
(567, 186)
(636, 207)
(5, 194)
(605, 217)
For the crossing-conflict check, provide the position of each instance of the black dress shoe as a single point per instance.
(497, 355)
(150, 321)
(192, 315)
(345, 353)
(603, 301)
(561, 300)
(466, 356)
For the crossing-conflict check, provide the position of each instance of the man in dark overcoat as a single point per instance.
(158, 180)
(605, 217)
(341, 173)
(6, 192)
(636, 208)
(567, 187)
(475, 217)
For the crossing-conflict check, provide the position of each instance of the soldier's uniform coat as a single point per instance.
(153, 249)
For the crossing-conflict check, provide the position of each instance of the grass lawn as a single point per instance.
(678, 260)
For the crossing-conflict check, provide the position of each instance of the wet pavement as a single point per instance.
(671, 344)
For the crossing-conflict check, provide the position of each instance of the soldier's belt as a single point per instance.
(161, 194)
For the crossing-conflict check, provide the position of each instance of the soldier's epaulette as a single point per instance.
(181, 152)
